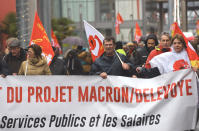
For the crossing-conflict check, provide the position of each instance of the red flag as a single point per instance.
(55, 41)
(117, 28)
(138, 33)
(40, 37)
(193, 57)
(119, 20)
(95, 40)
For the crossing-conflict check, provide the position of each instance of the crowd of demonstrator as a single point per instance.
(132, 59)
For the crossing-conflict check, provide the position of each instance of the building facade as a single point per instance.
(152, 15)
(102, 14)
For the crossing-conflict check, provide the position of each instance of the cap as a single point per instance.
(14, 43)
(130, 44)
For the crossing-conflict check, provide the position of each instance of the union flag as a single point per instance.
(95, 40)
(138, 33)
(40, 38)
(119, 20)
(193, 57)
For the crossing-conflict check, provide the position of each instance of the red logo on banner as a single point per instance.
(180, 64)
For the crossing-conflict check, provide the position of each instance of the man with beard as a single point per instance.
(164, 46)
(150, 43)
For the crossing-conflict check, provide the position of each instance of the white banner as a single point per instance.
(90, 103)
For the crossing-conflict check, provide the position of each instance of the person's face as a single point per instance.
(132, 47)
(165, 41)
(178, 45)
(31, 53)
(126, 48)
(150, 43)
(109, 47)
(15, 51)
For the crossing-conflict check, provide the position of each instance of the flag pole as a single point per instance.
(118, 57)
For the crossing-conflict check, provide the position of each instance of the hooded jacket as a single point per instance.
(35, 66)
(151, 36)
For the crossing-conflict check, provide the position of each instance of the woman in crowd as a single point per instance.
(175, 60)
(35, 64)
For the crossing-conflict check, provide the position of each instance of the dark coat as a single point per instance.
(57, 67)
(73, 64)
(143, 53)
(136, 58)
(149, 73)
(111, 65)
(14, 62)
(3, 69)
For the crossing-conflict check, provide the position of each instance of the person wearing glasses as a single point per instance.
(35, 64)
(15, 56)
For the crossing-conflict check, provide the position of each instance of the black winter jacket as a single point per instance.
(57, 67)
(14, 62)
(112, 66)
(3, 69)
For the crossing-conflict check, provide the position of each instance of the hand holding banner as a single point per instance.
(49, 103)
